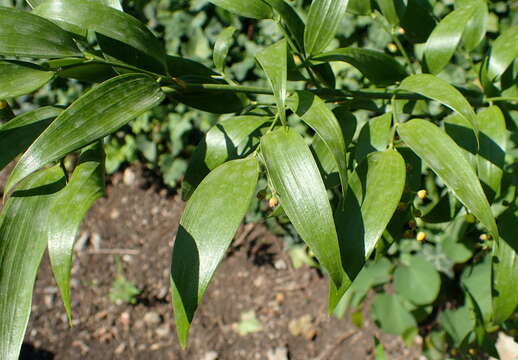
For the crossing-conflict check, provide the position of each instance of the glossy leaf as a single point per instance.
(296, 179)
(446, 159)
(374, 136)
(477, 26)
(274, 61)
(229, 139)
(23, 240)
(392, 10)
(67, 211)
(314, 112)
(323, 20)
(291, 20)
(440, 90)
(256, 9)
(91, 117)
(19, 133)
(27, 35)
(19, 78)
(376, 66)
(445, 38)
(503, 52)
(208, 224)
(221, 47)
(418, 281)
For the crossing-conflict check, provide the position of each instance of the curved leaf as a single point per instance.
(19, 133)
(291, 19)
(20, 78)
(67, 211)
(91, 117)
(445, 38)
(27, 35)
(392, 10)
(295, 177)
(503, 52)
(446, 159)
(76, 68)
(210, 220)
(323, 20)
(23, 240)
(314, 112)
(376, 66)
(375, 135)
(418, 281)
(256, 9)
(221, 47)
(477, 26)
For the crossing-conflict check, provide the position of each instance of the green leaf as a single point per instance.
(503, 53)
(81, 70)
(375, 135)
(19, 133)
(120, 35)
(418, 281)
(418, 21)
(66, 212)
(20, 78)
(255, 9)
(314, 112)
(376, 66)
(505, 267)
(295, 177)
(477, 26)
(379, 350)
(445, 38)
(23, 240)
(476, 279)
(458, 323)
(323, 20)
(208, 224)
(229, 139)
(446, 159)
(27, 35)
(359, 7)
(274, 61)
(291, 19)
(392, 10)
(440, 90)
(221, 47)
(91, 117)
(393, 318)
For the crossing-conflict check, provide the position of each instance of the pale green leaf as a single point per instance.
(391, 315)
(418, 281)
(503, 52)
(221, 47)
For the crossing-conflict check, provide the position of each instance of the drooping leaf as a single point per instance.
(19, 133)
(221, 47)
(418, 281)
(445, 38)
(27, 35)
(323, 21)
(392, 316)
(91, 117)
(291, 20)
(274, 61)
(440, 90)
(296, 179)
(229, 139)
(67, 211)
(20, 78)
(392, 10)
(208, 224)
(376, 66)
(503, 52)
(23, 240)
(477, 25)
(374, 136)
(446, 159)
(314, 112)
(418, 21)
(256, 9)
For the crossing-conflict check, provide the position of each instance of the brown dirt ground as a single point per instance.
(138, 221)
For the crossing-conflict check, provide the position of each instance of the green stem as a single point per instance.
(502, 98)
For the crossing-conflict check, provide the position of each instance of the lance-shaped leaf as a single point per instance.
(19, 133)
(221, 47)
(440, 90)
(477, 25)
(314, 112)
(27, 35)
(97, 113)
(274, 61)
(295, 177)
(229, 139)
(366, 214)
(67, 211)
(255, 9)
(505, 267)
(418, 21)
(23, 240)
(392, 10)
(20, 78)
(374, 136)
(503, 52)
(125, 38)
(376, 66)
(445, 38)
(323, 21)
(359, 7)
(291, 19)
(209, 222)
(446, 159)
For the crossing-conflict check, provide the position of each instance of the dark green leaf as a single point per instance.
(221, 47)
(418, 281)
(27, 35)
(446, 159)
(376, 66)
(256, 9)
(418, 21)
(19, 78)
(209, 222)
(91, 117)
(392, 10)
(291, 19)
(323, 21)
(503, 52)
(76, 68)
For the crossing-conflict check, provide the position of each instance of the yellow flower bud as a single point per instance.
(422, 194)
(421, 236)
(484, 237)
(273, 202)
